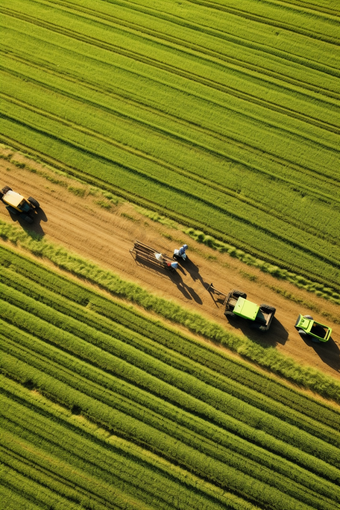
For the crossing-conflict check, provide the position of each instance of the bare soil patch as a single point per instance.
(83, 225)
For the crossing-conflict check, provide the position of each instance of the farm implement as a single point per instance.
(144, 252)
(236, 303)
(18, 205)
(317, 332)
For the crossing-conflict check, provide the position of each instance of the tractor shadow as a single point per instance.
(34, 229)
(276, 334)
(328, 352)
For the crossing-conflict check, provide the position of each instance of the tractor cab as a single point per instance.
(17, 201)
(246, 309)
(318, 332)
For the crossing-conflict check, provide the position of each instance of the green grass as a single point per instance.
(93, 389)
(56, 342)
(169, 106)
(268, 358)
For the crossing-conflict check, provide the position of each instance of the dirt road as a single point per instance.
(105, 236)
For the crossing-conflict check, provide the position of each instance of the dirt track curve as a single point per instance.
(106, 237)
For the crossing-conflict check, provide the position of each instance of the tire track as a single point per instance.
(122, 96)
(247, 97)
(237, 218)
(267, 21)
(241, 65)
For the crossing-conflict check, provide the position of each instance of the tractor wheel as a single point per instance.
(229, 314)
(238, 293)
(5, 189)
(28, 219)
(267, 309)
(34, 202)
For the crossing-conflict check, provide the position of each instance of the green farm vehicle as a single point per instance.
(237, 304)
(18, 205)
(317, 332)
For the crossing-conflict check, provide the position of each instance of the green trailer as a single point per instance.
(317, 332)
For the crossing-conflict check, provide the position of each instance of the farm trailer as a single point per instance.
(317, 332)
(149, 254)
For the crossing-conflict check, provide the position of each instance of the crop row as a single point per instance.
(246, 230)
(149, 337)
(219, 38)
(121, 371)
(178, 60)
(298, 209)
(145, 360)
(187, 449)
(163, 116)
(160, 334)
(110, 459)
(68, 112)
(250, 123)
(176, 451)
(190, 97)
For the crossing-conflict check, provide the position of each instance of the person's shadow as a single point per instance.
(190, 267)
(188, 292)
(33, 229)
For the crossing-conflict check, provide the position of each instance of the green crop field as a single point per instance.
(103, 407)
(224, 115)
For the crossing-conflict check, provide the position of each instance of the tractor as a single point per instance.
(237, 304)
(317, 332)
(18, 205)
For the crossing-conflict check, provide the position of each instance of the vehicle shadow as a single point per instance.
(277, 334)
(33, 229)
(328, 351)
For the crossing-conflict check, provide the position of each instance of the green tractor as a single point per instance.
(237, 304)
(18, 205)
(317, 332)
(259, 316)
